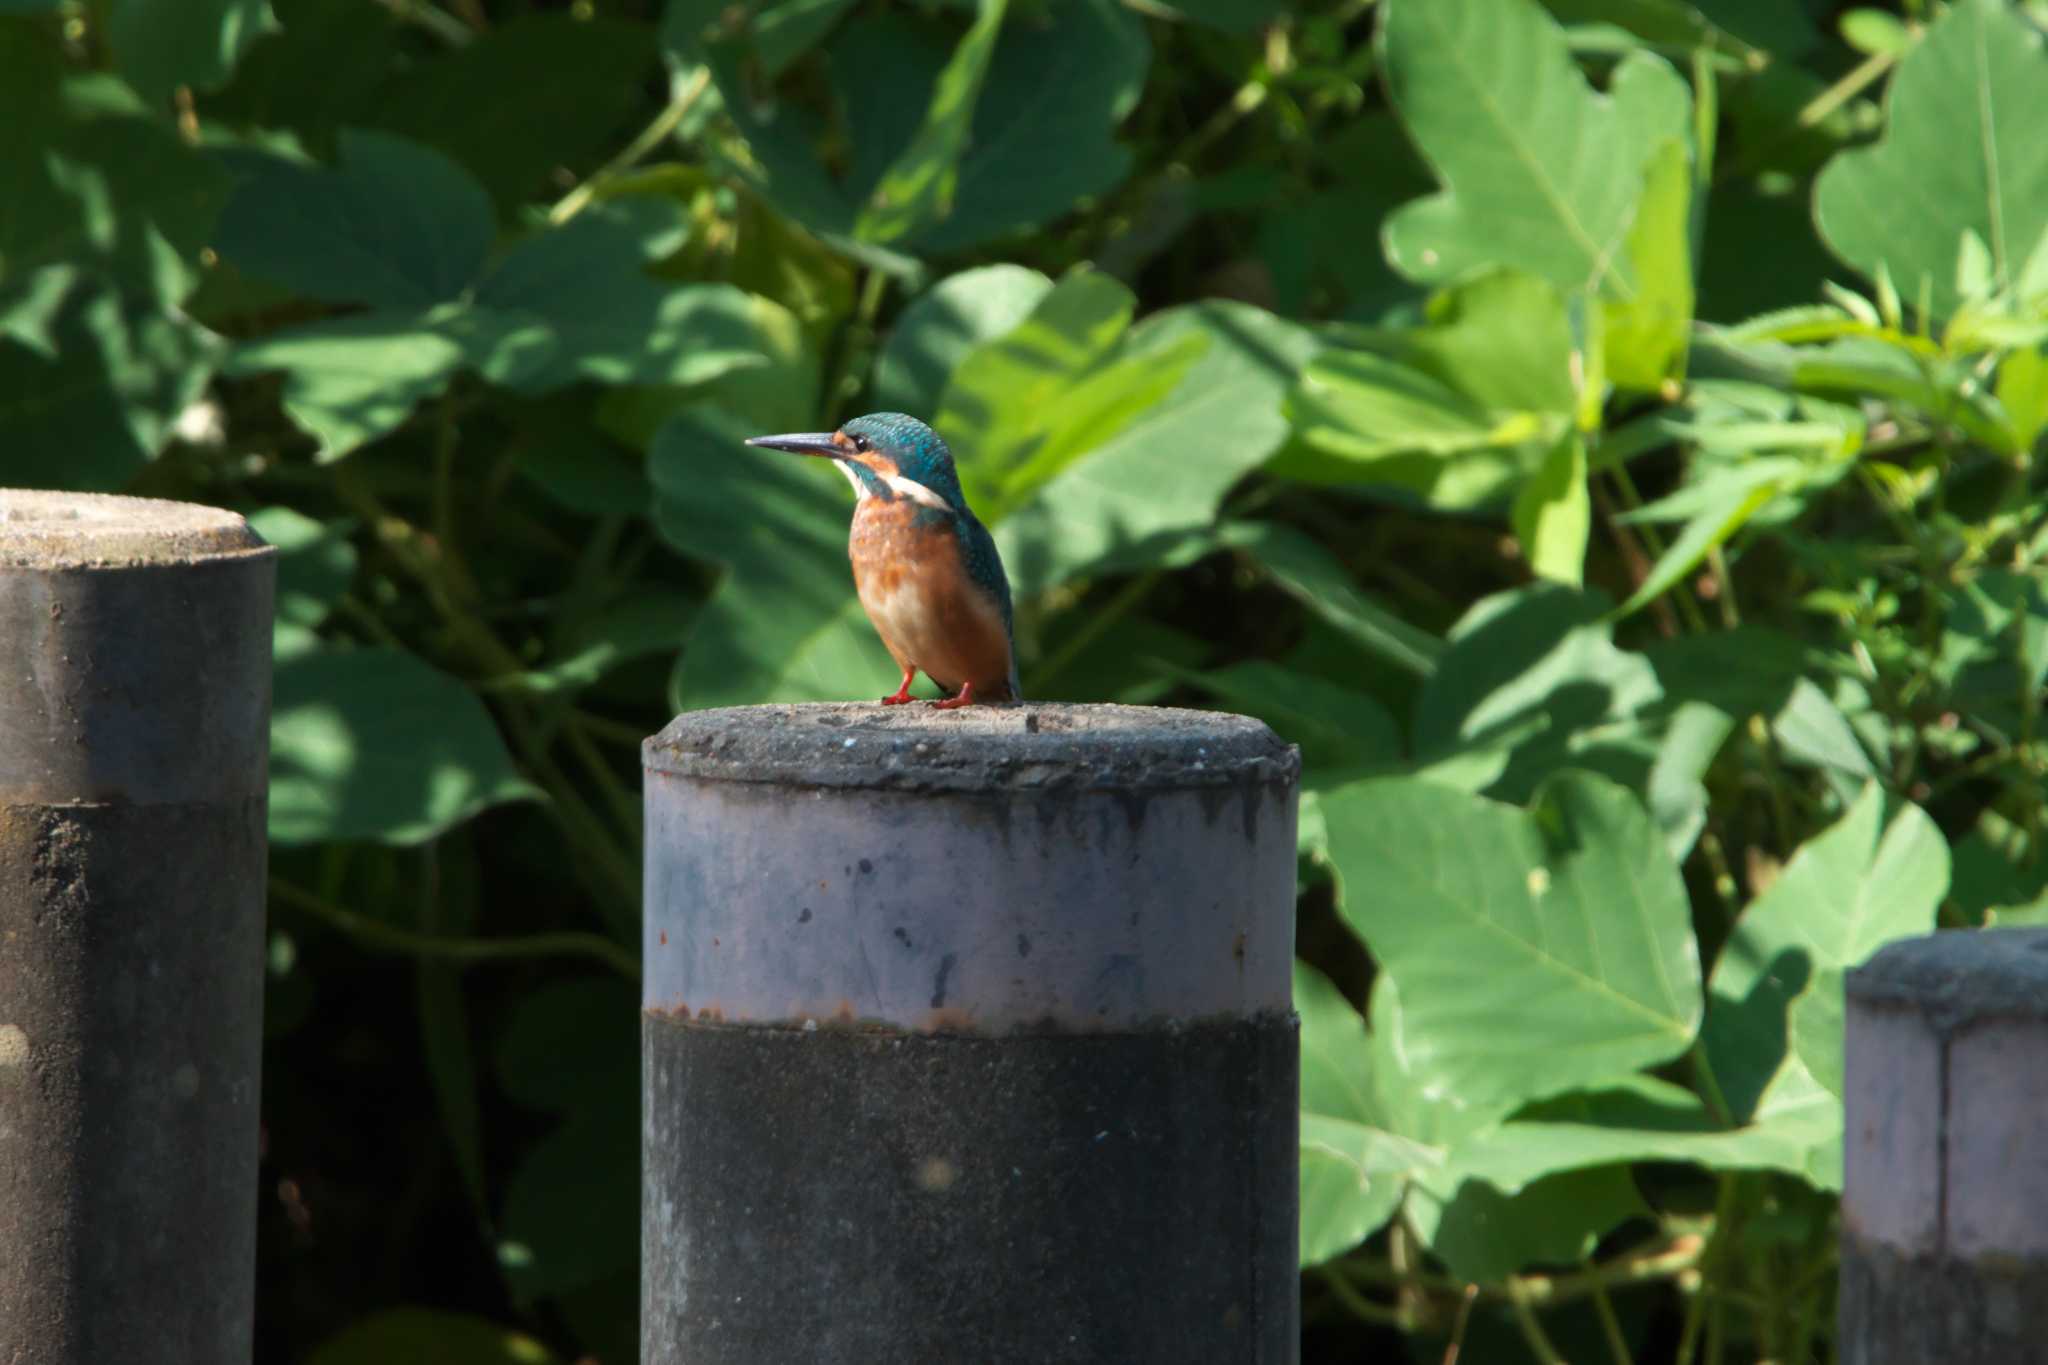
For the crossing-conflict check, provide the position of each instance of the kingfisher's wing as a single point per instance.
(984, 565)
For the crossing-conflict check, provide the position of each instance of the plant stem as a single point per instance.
(1464, 1319)
(634, 152)
(1127, 598)
(857, 345)
(1540, 1344)
(390, 938)
(1610, 1327)
(1363, 1308)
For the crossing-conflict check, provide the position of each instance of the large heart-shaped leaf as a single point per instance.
(1536, 951)
(1960, 161)
(1491, 96)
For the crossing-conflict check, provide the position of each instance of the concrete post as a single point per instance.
(134, 723)
(968, 1037)
(1945, 1198)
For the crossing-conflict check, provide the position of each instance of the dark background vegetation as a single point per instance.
(1342, 363)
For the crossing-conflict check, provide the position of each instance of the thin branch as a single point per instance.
(636, 151)
(390, 938)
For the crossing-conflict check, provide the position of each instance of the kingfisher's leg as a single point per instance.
(965, 698)
(902, 694)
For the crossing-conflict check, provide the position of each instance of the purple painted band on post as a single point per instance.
(1033, 867)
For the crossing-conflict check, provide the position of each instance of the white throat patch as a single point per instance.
(897, 484)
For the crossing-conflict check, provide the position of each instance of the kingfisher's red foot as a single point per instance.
(966, 698)
(902, 694)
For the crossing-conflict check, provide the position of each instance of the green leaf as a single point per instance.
(1043, 130)
(1459, 409)
(1354, 1170)
(919, 186)
(93, 182)
(1535, 951)
(354, 379)
(1489, 93)
(1335, 726)
(1309, 573)
(1554, 514)
(421, 1336)
(1644, 338)
(646, 621)
(1161, 469)
(785, 624)
(996, 406)
(315, 562)
(1535, 672)
(372, 744)
(525, 99)
(566, 304)
(2023, 393)
(573, 303)
(1736, 498)
(92, 414)
(1485, 1236)
(946, 323)
(573, 1206)
(392, 225)
(1846, 893)
(1515, 1155)
(1816, 1028)
(1959, 146)
(194, 43)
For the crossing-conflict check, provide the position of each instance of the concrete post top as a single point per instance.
(1029, 746)
(1959, 977)
(54, 531)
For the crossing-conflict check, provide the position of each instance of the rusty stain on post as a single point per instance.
(134, 710)
(968, 1035)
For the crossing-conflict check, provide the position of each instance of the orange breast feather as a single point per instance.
(914, 585)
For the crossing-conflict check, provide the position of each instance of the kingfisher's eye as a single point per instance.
(862, 443)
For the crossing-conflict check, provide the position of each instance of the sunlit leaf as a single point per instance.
(946, 323)
(1958, 157)
(1490, 94)
(373, 744)
(1536, 951)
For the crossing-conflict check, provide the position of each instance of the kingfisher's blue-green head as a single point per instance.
(883, 450)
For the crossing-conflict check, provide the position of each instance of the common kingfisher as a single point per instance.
(926, 569)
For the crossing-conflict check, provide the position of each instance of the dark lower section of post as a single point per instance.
(842, 1196)
(1900, 1310)
(130, 1029)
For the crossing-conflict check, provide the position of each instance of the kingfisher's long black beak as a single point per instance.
(802, 443)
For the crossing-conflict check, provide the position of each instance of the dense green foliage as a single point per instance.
(1600, 432)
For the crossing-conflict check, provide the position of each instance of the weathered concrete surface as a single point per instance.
(1945, 1199)
(133, 727)
(985, 869)
(846, 1196)
(969, 1037)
